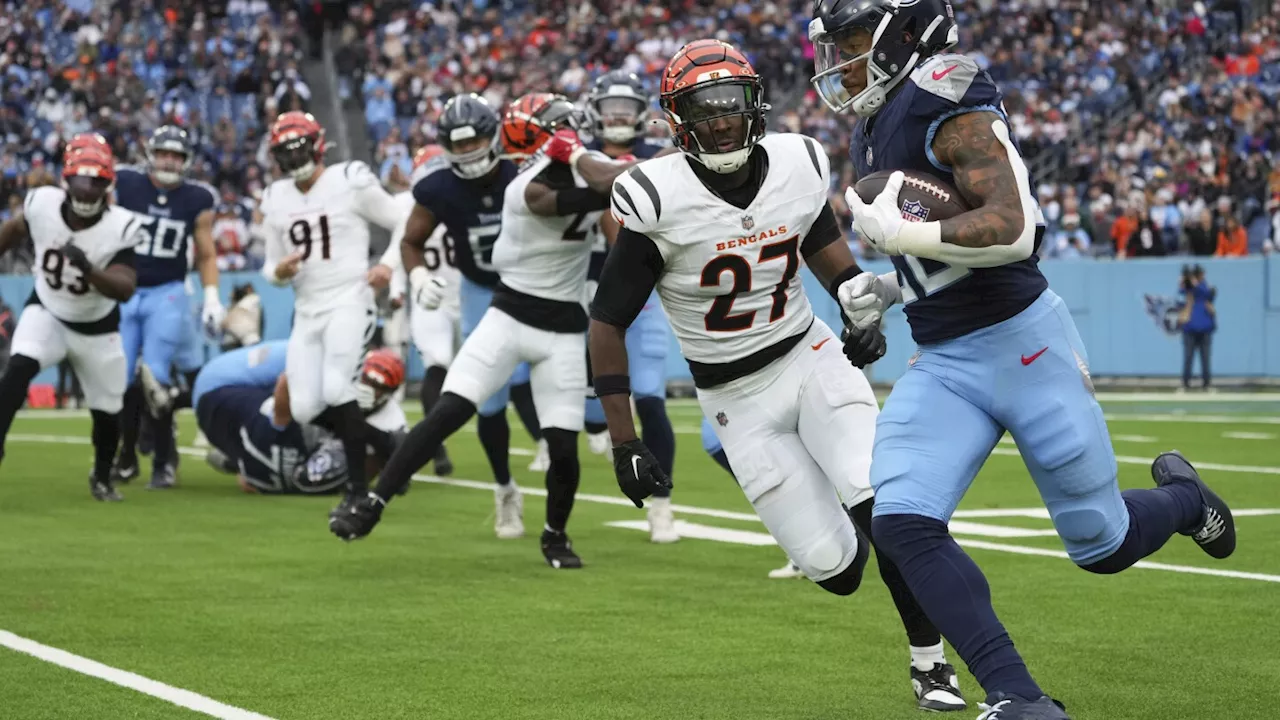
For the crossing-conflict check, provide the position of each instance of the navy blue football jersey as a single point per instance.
(643, 149)
(943, 301)
(470, 210)
(166, 247)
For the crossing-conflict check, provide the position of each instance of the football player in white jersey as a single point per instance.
(435, 333)
(537, 316)
(84, 257)
(721, 231)
(317, 239)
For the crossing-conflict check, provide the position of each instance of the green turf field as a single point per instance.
(247, 600)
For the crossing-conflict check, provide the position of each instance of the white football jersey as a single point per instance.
(729, 283)
(543, 256)
(438, 251)
(62, 289)
(327, 224)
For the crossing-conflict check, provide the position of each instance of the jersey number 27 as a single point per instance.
(720, 318)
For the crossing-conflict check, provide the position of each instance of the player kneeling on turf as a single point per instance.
(721, 230)
(241, 400)
(84, 256)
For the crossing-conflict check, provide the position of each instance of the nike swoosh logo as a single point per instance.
(635, 466)
(819, 345)
(1028, 360)
(939, 74)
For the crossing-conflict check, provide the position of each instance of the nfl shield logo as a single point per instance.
(162, 199)
(913, 211)
(487, 201)
(869, 155)
(722, 418)
(748, 222)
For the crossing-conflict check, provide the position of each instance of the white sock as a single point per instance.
(924, 658)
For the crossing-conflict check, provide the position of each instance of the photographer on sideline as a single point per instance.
(1198, 321)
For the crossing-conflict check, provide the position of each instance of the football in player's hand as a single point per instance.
(924, 198)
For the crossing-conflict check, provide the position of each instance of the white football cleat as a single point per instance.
(541, 458)
(599, 443)
(790, 570)
(662, 522)
(508, 504)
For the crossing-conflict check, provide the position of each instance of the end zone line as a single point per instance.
(125, 679)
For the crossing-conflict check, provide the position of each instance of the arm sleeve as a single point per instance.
(374, 204)
(630, 273)
(124, 257)
(824, 231)
(391, 257)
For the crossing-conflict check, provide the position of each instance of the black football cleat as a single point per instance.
(1216, 533)
(357, 518)
(558, 551)
(349, 501)
(938, 689)
(103, 490)
(443, 465)
(1000, 706)
(122, 472)
(163, 478)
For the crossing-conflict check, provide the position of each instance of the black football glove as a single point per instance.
(639, 474)
(358, 519)
(863, 346)
(76, 257)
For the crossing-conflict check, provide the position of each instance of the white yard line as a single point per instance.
(751, 517)
(1248, 436)
(126, 679)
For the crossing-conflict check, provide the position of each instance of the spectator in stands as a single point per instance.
(1201, 239)
(1070, 241)
(1198, 319)
(1233, 241)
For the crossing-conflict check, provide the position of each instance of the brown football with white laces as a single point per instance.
(923, 198)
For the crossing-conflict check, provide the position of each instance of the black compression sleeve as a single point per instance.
(124, 257)
(630, 273)
(571, 201)
(824, 231)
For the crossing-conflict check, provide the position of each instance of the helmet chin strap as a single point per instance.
(724, 163)
(167, 177)
(86, 210)
(304, 173)
(619, 135)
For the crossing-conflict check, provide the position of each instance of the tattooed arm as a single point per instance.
(991, 176)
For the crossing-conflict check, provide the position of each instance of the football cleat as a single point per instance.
(937, 689)
(163, 478)
(443, 465)
(599, 443)
(662, 522)
(558, 551)
(124, 472)
(356, 517)
(158, 396)
(790, 570)
(349, 501)
(1216, 533)
(541, 458)
(1000, 706)
(508, 523)
(103, 490)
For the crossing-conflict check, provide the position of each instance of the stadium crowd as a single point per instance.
(1175, 101)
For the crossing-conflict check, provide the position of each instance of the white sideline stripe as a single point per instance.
(1248, 436)
(751, 517)
(1022, 550)
(125, 679)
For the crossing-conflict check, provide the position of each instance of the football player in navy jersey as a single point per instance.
(998, 350)
(463, 189)
(155, 322)
(618, 112)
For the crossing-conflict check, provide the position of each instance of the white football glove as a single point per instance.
(428, 290)
(881, 221)
(865, 298)
(213, 313)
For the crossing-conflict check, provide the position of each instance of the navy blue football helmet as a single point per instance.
(618, 107)
(468, 132)
(168, 170)
(891, 37)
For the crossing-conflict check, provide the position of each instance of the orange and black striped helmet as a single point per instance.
(88, 172)
(531, 120)
(714, 100)
(297, 144)
(425, 153)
